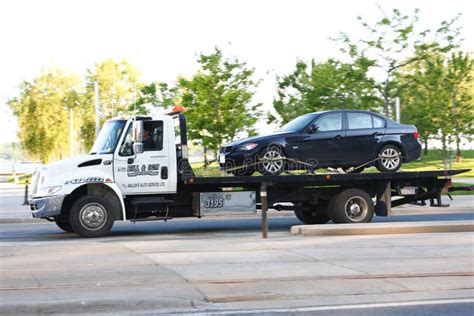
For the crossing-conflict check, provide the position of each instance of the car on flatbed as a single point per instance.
(339, 138)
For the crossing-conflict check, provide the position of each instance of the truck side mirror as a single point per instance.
(137, 137)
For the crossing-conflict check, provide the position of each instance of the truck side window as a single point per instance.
(126, 149)
(153, 135)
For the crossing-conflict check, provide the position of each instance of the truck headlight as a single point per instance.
(48, 190)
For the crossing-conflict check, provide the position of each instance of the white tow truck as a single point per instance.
(126, 178)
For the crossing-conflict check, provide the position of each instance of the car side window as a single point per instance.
(330, 122)
(378, 122)
(359, 120)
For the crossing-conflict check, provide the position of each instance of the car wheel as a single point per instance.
(272, 161)
(351, 206)
(391, 159)
(316, 214)
(65, 226)
(91, 216)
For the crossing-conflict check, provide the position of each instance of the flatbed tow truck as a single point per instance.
(122, 180)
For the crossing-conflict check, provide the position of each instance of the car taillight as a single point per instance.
(416, 135)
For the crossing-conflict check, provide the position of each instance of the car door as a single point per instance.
(363, 135)
(324, 140)
(145, 173)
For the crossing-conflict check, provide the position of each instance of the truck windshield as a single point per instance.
(298, 123)
(108, 137)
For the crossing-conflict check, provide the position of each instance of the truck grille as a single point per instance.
(34, 183)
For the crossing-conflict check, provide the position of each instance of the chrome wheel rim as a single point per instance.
(93, 216)
(390, 158)
(272, 161)
(356, 208)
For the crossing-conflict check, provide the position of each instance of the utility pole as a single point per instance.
(71, 132)
(397, 109)
(97, 114)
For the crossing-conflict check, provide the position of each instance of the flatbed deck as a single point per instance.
(319, 179)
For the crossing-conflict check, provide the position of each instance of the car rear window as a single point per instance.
(359, 120)
(378, 122)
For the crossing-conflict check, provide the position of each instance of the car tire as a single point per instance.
(351, 206)
(311, 215)
(65, 226)
(389, 164)
(91, 216)
(272, 161)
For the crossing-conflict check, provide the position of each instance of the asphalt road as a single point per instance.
(222, 266)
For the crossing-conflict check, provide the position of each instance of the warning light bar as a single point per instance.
(176, 110)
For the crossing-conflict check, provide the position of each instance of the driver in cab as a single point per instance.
(148, 142)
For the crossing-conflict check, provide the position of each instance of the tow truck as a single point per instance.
(121, 180)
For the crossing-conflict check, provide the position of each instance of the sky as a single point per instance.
(162, 38)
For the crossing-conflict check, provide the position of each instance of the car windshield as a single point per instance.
(298, 123)
(108, 137)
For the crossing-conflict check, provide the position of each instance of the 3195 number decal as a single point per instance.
(214, 203)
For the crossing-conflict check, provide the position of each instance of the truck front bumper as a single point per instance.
(46, 206)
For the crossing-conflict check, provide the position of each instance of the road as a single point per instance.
(222, 266)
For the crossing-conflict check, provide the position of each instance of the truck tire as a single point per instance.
(272, 161)
(389, 164)
(91, 216)
(310, 215)
(351, 206)
(64, 225)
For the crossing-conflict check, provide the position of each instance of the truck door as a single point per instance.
(148, 172)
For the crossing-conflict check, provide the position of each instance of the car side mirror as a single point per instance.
(313, 128)
(137, 137)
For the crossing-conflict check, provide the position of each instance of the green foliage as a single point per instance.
(392, 43)
(156, 94)
(42, 108)
(325, 86)
(219, 100)
(118, 88)
(437, 97)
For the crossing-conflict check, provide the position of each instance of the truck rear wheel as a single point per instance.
(64, 225)
(351, 206)
(316, 214)
(91, 216)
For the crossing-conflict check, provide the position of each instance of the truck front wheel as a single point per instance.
(351, 206)
(316, 214)
(64, 225)
(91, 216)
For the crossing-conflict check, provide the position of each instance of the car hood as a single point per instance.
(257, 139)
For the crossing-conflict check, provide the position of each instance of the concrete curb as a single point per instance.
(383, 228)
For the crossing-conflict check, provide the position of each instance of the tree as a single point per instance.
(118, 89)
(219, 100)
(392, 43)
(325, 86)
(43, 117)
(437, 98)
(156, 94)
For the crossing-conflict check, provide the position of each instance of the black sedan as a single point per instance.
(337, 139)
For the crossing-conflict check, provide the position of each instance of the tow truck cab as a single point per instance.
(118, 167)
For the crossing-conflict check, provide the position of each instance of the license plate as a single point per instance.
(408, 190)
(221, 158)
